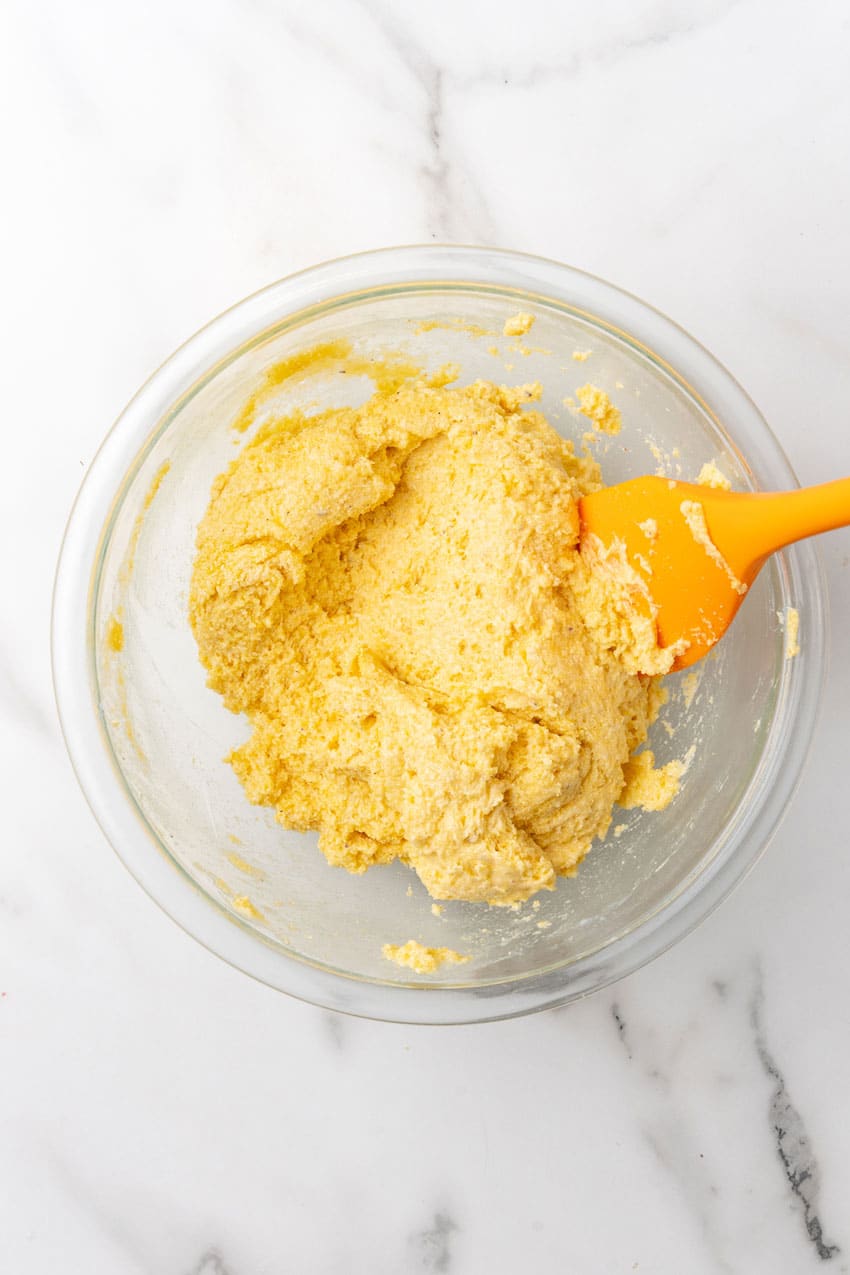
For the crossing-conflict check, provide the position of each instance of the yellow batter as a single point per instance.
(394, 596)
(711, 476)
(518, 324)
(597, 406)
(792, 633)
(422, 960)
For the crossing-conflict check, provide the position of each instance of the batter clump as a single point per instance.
(420, 959)
(394, 596)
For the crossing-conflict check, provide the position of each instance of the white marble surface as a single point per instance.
(158, 1111)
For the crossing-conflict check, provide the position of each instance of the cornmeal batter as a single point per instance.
(597, 406)
(422, 960)
(394, 596)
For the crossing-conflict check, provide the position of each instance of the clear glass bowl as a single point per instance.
(148, 738)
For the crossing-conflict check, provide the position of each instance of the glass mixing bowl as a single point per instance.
(148, 738)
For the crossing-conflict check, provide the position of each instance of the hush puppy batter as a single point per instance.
(394, 596)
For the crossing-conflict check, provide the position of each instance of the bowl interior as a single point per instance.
(169, 733)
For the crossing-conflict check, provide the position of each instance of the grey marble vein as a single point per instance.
(674, 1142)
(622, 1032)
(793, 1145)
(672, 25)
(431, 1248)
(211, 1263)
(85, 1197)
(318, 39)
(671, 1144)
(82, 116)
(436, 170)
(335, 1027)
(673, 1136)
(455, 207)
(18, 702)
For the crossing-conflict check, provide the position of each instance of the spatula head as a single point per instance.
(679, 539)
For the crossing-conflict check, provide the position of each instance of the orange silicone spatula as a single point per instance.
(698, 549)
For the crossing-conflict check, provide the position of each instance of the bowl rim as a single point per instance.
(340, 281)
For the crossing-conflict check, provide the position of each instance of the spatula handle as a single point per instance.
(792, 515)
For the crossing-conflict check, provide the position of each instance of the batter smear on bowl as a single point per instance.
(394, 596)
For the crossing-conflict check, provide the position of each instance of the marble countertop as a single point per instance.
(161, 1113)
